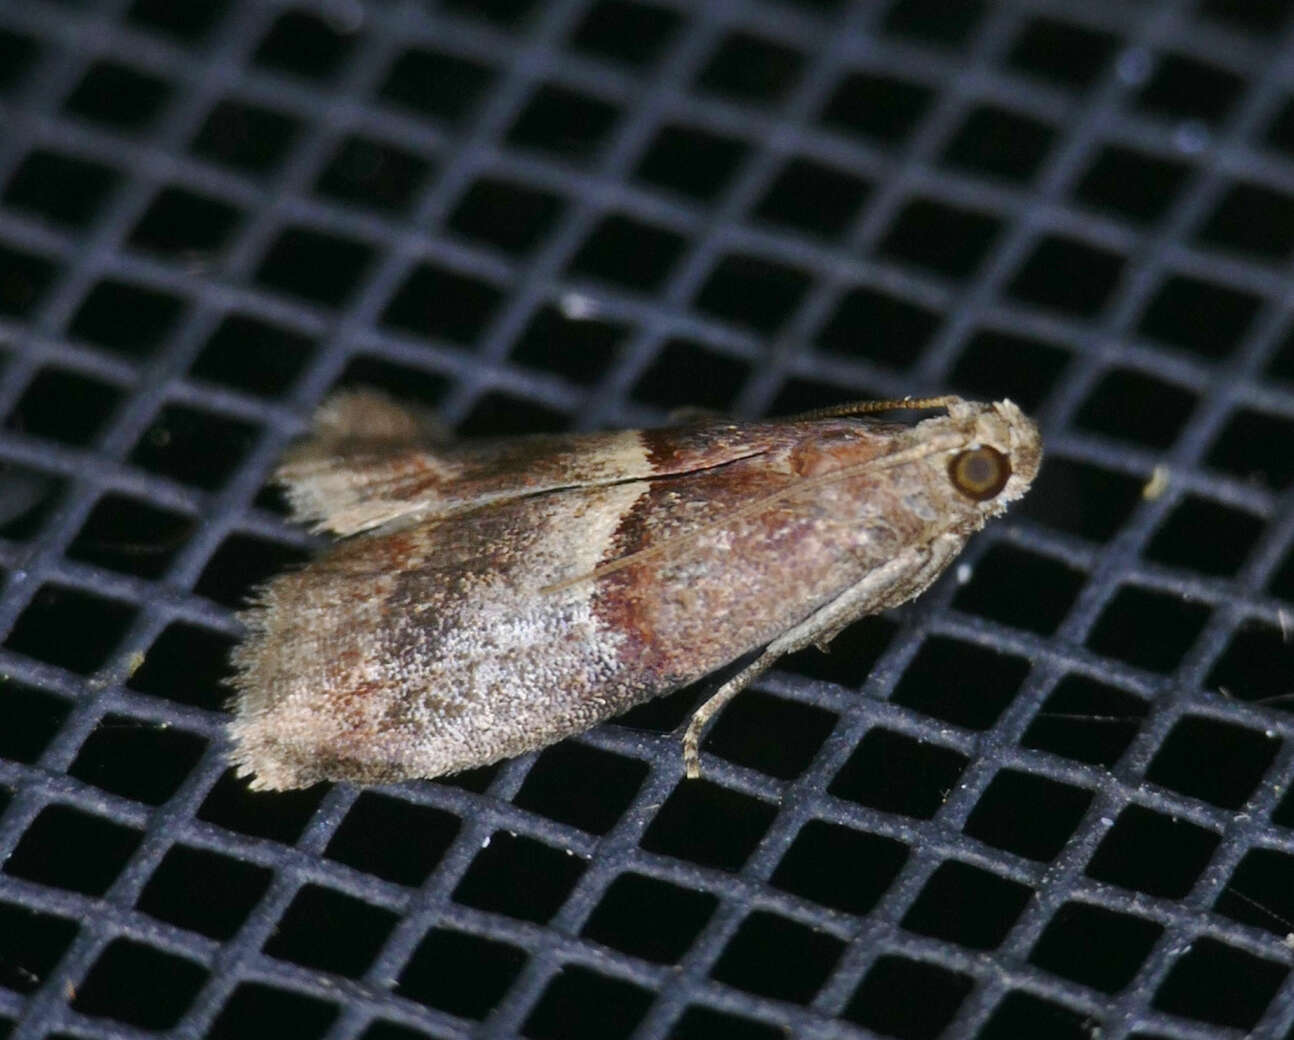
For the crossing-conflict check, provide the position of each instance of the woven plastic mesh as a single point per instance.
(1050, 798)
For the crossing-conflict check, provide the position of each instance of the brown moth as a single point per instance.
(493, 597)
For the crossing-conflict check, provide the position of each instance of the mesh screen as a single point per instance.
(1050, 798)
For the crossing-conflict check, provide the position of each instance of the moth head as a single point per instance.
(998, 456)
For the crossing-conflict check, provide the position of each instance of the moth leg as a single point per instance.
(881, 589)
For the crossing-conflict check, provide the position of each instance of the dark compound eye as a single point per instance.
(980, 473)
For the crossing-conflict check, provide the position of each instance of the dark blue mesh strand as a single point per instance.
(1050, 798)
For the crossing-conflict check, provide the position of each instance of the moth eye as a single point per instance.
(979, 473)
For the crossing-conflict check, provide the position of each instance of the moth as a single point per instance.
(491, 597)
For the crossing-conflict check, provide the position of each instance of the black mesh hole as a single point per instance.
(1183, 88)
(947, 240)
(137, 760)
(366, 172)
(1202, 317)
(401, 382)
(581, 785)
(1205, 536)
(61, 188)
(838, 867)
(67, 848)
(708, 824)
(579, 348)
(1148, 629)
(1023, 1014)
(1252, 219)
(999, 143)
(702, 1023)
(1256, 666)
(1087, 721)
(895, 773)
(138, 985)
(628, 252)
(1082, 499)
(315, 266)
(580, 1004)
(117, 96)
(1136, 407)
(463, 974)
(1036, 596)
(505, 214)
(778, 958)
(1280, 133)
(276, 1012)
(570, 125)
(1217, 763)
(69, 628)
(204, 891)
(435, 302)
(392, 838)
(775, 736)
(871, 324)
(241, 565)
(932, 21)
(1131, 184)
(187, 22)
(498, 414)
(967, 906)
(623, 31)
(127, 535)
(63, 407)
(1259, 18)
(128, 319)
(1152, 853)
(751, 68)
(519, 877)
(389, 1031)
(1216, 983)
(17, 54)
(32, 718)
(690, 160)
(876, 106)
(31, 944)
(850, 657)
(649, 918)
(436, 84)
(24, 277)
(279, 817)
(1028, 815)
(1254, 446)
(1259, 893)
(186, 664)
(1068, 276)
(908, 999)
(808, 196)
(250, 355)
(193, 447)
(1067, 54)
(330, 931)
(184, 225)
(244, 136)
(751, 291)
(1094, 946)
(998, 364)
(963, 684)
(688, 374)
(303, 44)
(1281, 364)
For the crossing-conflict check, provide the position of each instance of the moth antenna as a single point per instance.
(841, 411)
